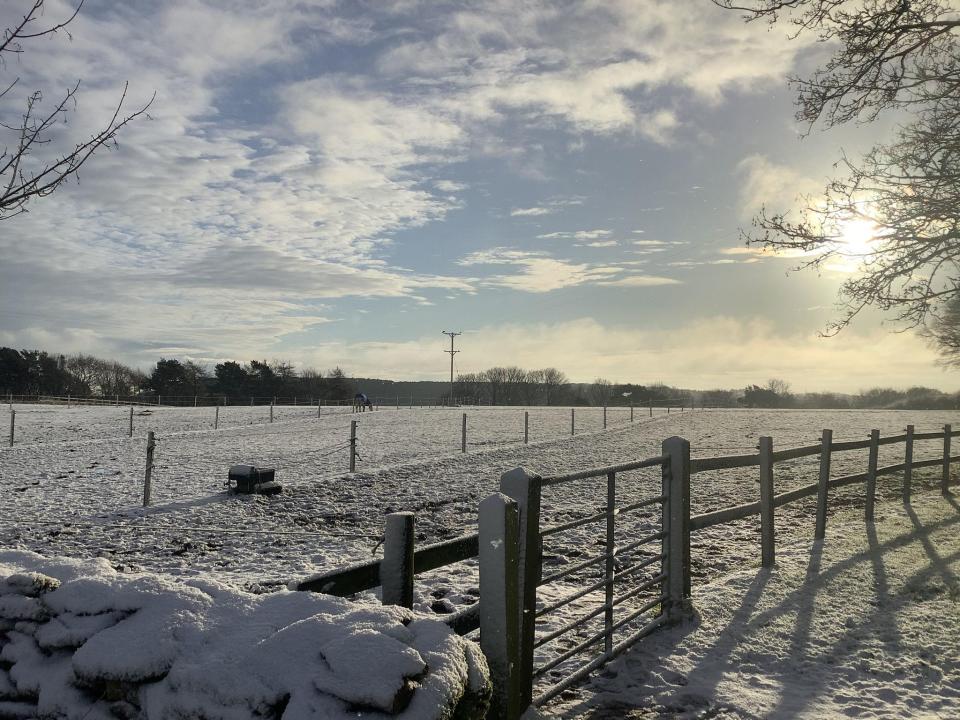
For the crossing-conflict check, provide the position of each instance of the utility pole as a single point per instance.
(452, 353)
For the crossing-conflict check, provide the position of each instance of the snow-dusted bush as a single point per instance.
(78, 640)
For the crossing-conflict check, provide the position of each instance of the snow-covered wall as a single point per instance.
(78, 640)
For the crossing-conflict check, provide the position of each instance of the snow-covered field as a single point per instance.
(72, 486)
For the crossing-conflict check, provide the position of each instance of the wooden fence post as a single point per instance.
(271, 412)
(945, 481)
(216, 417)
(525, 490)
(353, 445)
(908, 465)
(650, 406)
(500, 605)
(130, 429)
(676, 521)
(767, 533)
(463, 434)
(396, 568)
(526, 427)
(13, 422)
(826, 442)
(872, 475)
(573, 421)
(318, 408)
(631, 412)
(604, 417)
(148, 471)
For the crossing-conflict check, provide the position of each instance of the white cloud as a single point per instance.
(741, 352)
(531, 211)
(771, 185)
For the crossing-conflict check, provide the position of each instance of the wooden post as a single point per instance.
(216, 417)
(251, 402)
(604, 417)
(353, 445)
(826, 442)
(148, 471)
(609, 568)
(463, 435)
(908, 465)
(500, 608)
(396, 568)
(872, 474)
(194, 400)
(631, 412)
(271, 412)
(398, 402)
(676, 527)
(767, 535)
(668, 409)
(572, 421)
(130, 429)
(526, 427)
(525, 489)
(13, 423)
(945, 481)
(318, 408)
(158, 399)
(650, 405)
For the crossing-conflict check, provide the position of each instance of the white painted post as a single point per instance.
(945, 480)
(463, 435)
(525, 489)
(526, 427)
(216, 417)
(398, 402)
(826, 443)
(872, 475)
(767, 535)
(130, 429)
(13, 422)
(353, 445)
(572, 421)
(500, 606)
(148, 471)
(396, 568)
(676, 527)
(908, 465)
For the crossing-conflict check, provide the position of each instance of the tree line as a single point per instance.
(37, 372)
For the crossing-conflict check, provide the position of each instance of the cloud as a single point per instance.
(741, 352)
(771, 185)
(531, 211)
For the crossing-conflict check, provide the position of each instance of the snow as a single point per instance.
(862, 624)
(106, 643)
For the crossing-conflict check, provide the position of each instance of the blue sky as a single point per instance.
(337, 182)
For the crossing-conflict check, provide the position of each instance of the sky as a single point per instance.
(335, 183)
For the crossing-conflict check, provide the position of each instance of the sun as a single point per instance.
(856, 238)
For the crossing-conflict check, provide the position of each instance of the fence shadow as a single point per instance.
(746, 624)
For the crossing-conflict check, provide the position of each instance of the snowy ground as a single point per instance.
(73, 488)
(862, 625)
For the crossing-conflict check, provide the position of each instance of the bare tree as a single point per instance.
(890, 55)
(599, 391)
(25, 173)
(553, 380)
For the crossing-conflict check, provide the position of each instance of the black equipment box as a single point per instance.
(251, 479)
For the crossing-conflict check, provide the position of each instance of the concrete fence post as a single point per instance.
(500, 605)
(148, 470)
(396, 568)
(826, 443)
(353, 445)
(767, 533)
(945, 480)
(676, 527)
(525, 490)
(872, 475)
(908, 465)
